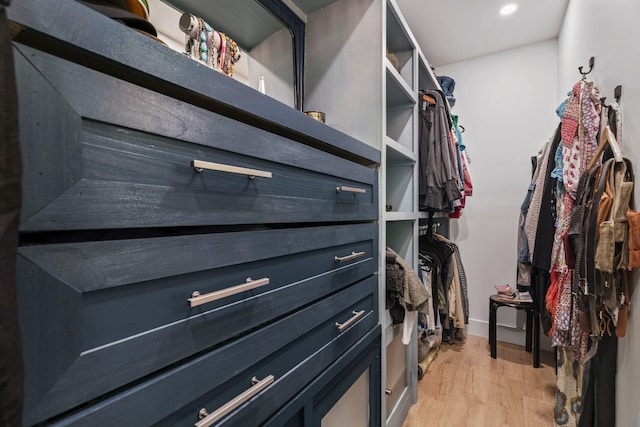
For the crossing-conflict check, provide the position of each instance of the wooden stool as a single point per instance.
(533, 326)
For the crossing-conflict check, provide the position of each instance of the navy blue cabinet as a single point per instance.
(129, 157)
(191, 252)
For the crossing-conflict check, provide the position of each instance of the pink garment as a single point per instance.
(579, 129)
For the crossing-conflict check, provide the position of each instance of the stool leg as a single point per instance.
(492, 328)
(536, 340)
(529, 331)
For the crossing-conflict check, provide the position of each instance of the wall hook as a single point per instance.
(584, 73)
(617, 93)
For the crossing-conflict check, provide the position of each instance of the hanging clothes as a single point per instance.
(449, 285)
(438, 177)
(404, 288)
(524, 254)
(578, 131)
(457, 285)
(539, 229)
(579, 226)
(464, 175)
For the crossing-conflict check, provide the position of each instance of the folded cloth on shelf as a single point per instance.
(448, 85)
(119, 11)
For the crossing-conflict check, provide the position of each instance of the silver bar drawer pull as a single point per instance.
(207, 419)
(350, 189)
(197, 299)
(356, 315)
(200, 165)
(353, 255)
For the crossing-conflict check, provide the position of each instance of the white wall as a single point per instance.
(506, 102)
(609, 31)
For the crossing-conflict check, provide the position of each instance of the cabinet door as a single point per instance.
(397, 377)
(346, 394)
(352, 408)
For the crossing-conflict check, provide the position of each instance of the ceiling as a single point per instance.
(450, 31)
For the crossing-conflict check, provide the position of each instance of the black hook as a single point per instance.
(461, 128)
(617, 93)
(584, 73)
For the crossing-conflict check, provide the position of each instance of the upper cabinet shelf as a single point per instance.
(398, 154)
(426, 77)
(399, 93)
(400, 45)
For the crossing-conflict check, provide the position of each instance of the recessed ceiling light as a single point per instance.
(508, 9)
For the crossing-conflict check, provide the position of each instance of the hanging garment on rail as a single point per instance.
(604, 252)
(405, 291)
(466, 185)
(583, 216)
(424, 272)
(524, 254)
(539, 228)
(439, 182)
(456, 286)
(449, 283)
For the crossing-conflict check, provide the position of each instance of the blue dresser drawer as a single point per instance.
(139, 159)
(108, 313)
(281, 358)
(318, 397)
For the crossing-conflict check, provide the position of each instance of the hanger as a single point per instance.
(429, 99)
(607, 137)
(424, 257)
(617, 93)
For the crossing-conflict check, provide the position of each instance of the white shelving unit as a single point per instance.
(400, 174)
(350, 77)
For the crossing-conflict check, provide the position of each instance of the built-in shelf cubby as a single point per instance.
(367, 81)
(400, 187)
(400, 45)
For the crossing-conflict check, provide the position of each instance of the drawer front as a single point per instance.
(127, 161)
(327, 387)
(177, 397)
(107, 313)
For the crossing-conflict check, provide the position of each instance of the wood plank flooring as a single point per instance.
(464, 386)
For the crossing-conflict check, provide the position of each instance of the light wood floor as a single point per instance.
(465, 387)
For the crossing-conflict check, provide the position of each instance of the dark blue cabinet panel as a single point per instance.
(120, 232)
(107, 313)
(293, 350)
(104, 153)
